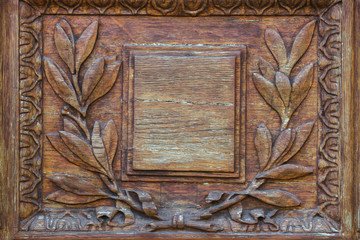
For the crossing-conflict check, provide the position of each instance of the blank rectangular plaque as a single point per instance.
(183, 113)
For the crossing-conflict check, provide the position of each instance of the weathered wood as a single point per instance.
(150, 127)
(9, 117)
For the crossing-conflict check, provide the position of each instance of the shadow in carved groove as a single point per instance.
(91, 150)
(95, 151)
(284, 96)
(323, 218)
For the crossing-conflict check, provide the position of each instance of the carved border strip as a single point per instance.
(329, 78)
(183, 7)
(30, 110)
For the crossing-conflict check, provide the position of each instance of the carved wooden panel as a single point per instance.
(168, 118)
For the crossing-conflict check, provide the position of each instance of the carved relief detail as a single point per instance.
(329, 79)
(183, 7)
(30, 111)
(284, 96)
(91, 150)
(101, 142)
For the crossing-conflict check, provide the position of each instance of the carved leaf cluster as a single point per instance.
(274, 152)
(93, 151)
(99, 77)
(274, 85)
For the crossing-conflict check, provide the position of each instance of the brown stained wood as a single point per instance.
(9, 115)
(236, 122)
(184, 113)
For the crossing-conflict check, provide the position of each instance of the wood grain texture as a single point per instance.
(178, 98)
(356, 183)
(308, 184)
(181, 79)
(9, 116)
(182, 7)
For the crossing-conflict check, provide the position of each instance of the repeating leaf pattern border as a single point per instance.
(329, 66)
(183, 7)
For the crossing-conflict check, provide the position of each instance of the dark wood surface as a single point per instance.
(224, 119)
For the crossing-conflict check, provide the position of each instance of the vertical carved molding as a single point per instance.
(30, 110)
(329, 79)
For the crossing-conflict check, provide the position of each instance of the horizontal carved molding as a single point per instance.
(183, 7)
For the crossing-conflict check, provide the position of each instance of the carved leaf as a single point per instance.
(107, 81)
(147, 203)
(65, 197)
(291, 141)
(82, 149)
(99, 147)
(280, 145)
(263, 144)
(266, 69)
(214, 196)
(77, 185)
(269, 92)
(301, 43)
(65, 44)
(235, 212)
(276, 45)
(259, 5)
(85, 44)
(283, 85)
(69, 5)
(278, 198)
(70, 127)
(101, 5)
(110, 139)
(60, 146)
(301, 85)
(292, 5)
(110, 212)
(287, 171)
(302, 134)
(128, 214)
(60, 83)
(92, 77)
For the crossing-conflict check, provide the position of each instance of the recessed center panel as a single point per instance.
(184, 112)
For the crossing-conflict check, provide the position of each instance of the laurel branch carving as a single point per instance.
(91, 150)
(249, 220)
(284, 96)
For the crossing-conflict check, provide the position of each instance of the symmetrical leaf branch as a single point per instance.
(273, 153)
(274, 85)
(93, 150)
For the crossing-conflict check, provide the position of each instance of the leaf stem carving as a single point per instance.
(93, 150)
(276, 87)
(284, 96)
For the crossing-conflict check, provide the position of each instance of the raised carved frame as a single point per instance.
(329, 68)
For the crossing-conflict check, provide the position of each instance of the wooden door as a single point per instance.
(199, 119)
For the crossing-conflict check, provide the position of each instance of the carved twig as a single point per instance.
(285, 97)
(96, 150)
